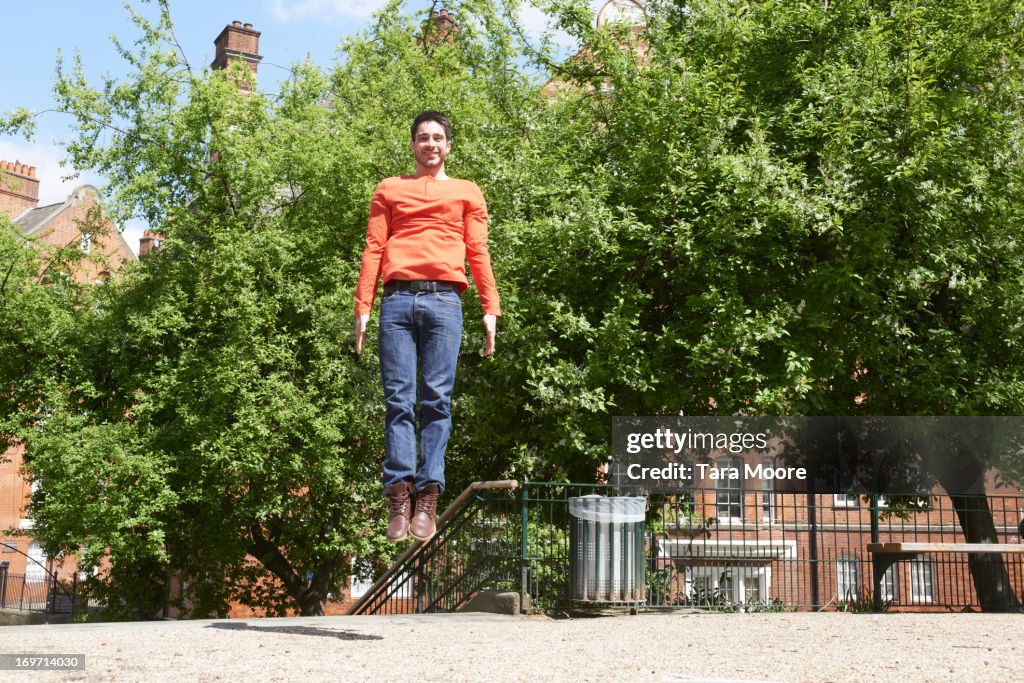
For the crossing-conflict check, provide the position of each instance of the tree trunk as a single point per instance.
(311, 603)
(312, 597)
(991, 580)
(963, 478)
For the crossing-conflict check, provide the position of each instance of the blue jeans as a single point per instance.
(418, 347)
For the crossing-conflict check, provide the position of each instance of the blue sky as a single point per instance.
(36, 31)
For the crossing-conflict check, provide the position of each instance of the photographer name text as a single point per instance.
(678, 471)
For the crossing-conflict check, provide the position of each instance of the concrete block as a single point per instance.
(493, 601)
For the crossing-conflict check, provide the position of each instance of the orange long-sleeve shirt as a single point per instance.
(426, 229)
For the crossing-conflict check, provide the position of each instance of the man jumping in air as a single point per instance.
(422, 230)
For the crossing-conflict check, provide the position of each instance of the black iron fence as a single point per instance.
(801, 551)
(38, 592)
(750, 550)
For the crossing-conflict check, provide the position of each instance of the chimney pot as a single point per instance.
(248, 26)
(236, 23)
(444, 13)
(18, 193)
(434, 15)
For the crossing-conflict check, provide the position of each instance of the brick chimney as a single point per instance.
(237, 41)
(439, 28)
(149, 242)
(19, 188)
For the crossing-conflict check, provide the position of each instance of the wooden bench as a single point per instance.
(887, 554)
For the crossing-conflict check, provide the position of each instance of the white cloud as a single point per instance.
(287, 11)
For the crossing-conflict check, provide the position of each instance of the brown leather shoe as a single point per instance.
(401, 510)
(422, 525)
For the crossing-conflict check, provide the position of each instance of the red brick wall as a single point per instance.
(108, 250)
(14, 495)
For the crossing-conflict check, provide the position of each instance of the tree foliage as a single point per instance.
(811, 209)
(770, 206)
(40, 303)
(214, 426)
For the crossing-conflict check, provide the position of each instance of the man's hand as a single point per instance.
(361, 321)
(490, 325)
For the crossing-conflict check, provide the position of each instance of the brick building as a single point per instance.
(77, 223)
(736, 541)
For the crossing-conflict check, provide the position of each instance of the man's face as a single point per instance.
(430, 146)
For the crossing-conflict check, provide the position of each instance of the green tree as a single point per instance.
(807, 209)
(774, 207)
(40, 304)
(214, 425)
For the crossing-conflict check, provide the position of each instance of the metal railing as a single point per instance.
(750, 550)
(34, 593)
(474, 547)
(761, 550)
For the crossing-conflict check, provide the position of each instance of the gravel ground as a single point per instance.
(670, 648)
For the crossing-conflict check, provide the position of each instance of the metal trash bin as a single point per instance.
(606, 549)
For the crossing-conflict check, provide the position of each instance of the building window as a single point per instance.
(35, 571)
(87, 242)
(358, 585)
(889, 587)
(768, 491)
(728, 585)
(852, 500)
(847, 579)
(922, 581)
(752, 591)
(729, 489)
(361, 581)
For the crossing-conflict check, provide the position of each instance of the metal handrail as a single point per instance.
(398, 565)
(468, 577)
(51, 576)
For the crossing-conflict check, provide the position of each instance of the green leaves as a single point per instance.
(774, 207)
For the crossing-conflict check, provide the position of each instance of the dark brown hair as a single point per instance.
(436, 117)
